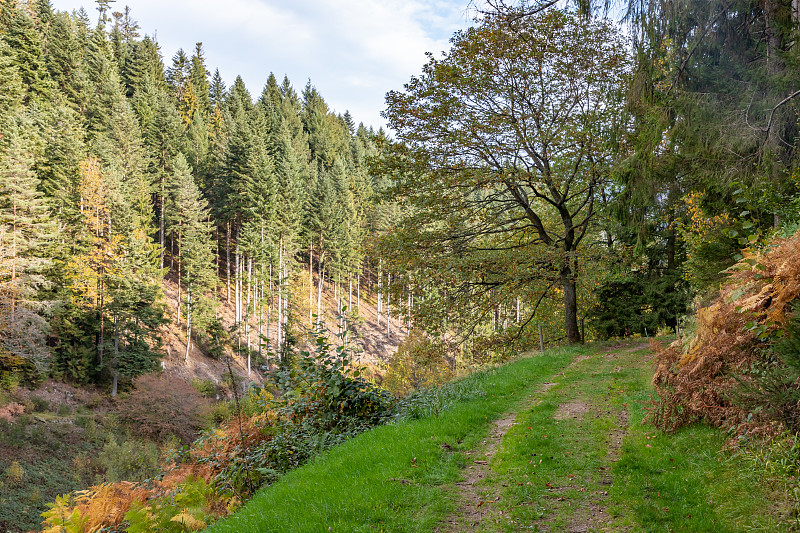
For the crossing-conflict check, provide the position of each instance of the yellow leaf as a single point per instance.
(188, 521)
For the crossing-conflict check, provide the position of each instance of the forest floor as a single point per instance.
(551, 442)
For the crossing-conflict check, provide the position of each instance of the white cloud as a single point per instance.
(354, 51)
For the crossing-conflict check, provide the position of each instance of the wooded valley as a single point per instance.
(567, 173)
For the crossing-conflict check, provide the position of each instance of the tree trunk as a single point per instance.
(319, 288)
(261, 317)
(237, 279)
(228, 259)
(388, 297)
(380, 302)
(115, 372)
(570, 305)
(269, 307)
(248, 308)
(179, 274)
(161, 212)
(279, 339)
(188, 323)
(310, 284)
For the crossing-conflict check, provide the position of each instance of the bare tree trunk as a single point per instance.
(570, 305)
(216, 265)
(285, 305)
(380, 302)
(269, 308)
(279, 339)
(261, 314)
(310, 284)
(179, 274)
(237, 280)
(409, 306)
(188, 323)
(228, 258)
(247, 308)
(161, 212)
(320, 276)
(388, 303)
(114, 371)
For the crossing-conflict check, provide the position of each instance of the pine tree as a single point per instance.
(11, 88)
(65, 61)
(198, 75)
(23, 211)
(26, 45)
(190, 219)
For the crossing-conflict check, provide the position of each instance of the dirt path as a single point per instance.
(579, 503)
(474, 498)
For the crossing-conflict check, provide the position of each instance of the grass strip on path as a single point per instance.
(391, 478)
(580, 460)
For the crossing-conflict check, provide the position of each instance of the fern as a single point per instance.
(62, 518)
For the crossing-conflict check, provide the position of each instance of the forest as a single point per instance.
(567, 173)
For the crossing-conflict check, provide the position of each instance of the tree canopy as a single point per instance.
(502, 148)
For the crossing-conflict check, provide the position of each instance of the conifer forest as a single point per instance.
(204, 285)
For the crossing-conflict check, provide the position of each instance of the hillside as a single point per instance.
(550, 442)
(55, 437)
(367, 332)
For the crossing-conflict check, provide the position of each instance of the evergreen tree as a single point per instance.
(25, 42)
(65, 61)
(198, 76)
(190, 219)
(24, 215)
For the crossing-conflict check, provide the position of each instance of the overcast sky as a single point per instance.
(354, 51)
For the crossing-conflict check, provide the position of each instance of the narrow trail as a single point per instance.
(576, 504)
(474, 499)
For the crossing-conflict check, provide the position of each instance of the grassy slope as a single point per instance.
(553, 475)
(390, 478)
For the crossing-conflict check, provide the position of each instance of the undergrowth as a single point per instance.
(313, 402)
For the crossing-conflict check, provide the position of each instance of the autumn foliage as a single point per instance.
(160, 407)
(699, 377)
(323, 402)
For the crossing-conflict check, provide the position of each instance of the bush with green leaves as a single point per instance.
(772, 385)
(129, 460)
(322, 400)
(325, 386)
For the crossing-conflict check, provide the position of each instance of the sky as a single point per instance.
(353, 51)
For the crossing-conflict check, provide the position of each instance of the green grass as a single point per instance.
(603, 469)
(42, 454)
(392, 478)
(653, 482)
(688, 482)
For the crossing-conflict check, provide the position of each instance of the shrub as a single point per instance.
(206, 387)
(40, 405)
(129, 460)
(420, 362)
(160, 406)
(772, 386)
(732, 343)
(323, 401)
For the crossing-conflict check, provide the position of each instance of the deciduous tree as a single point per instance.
(502, 145)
